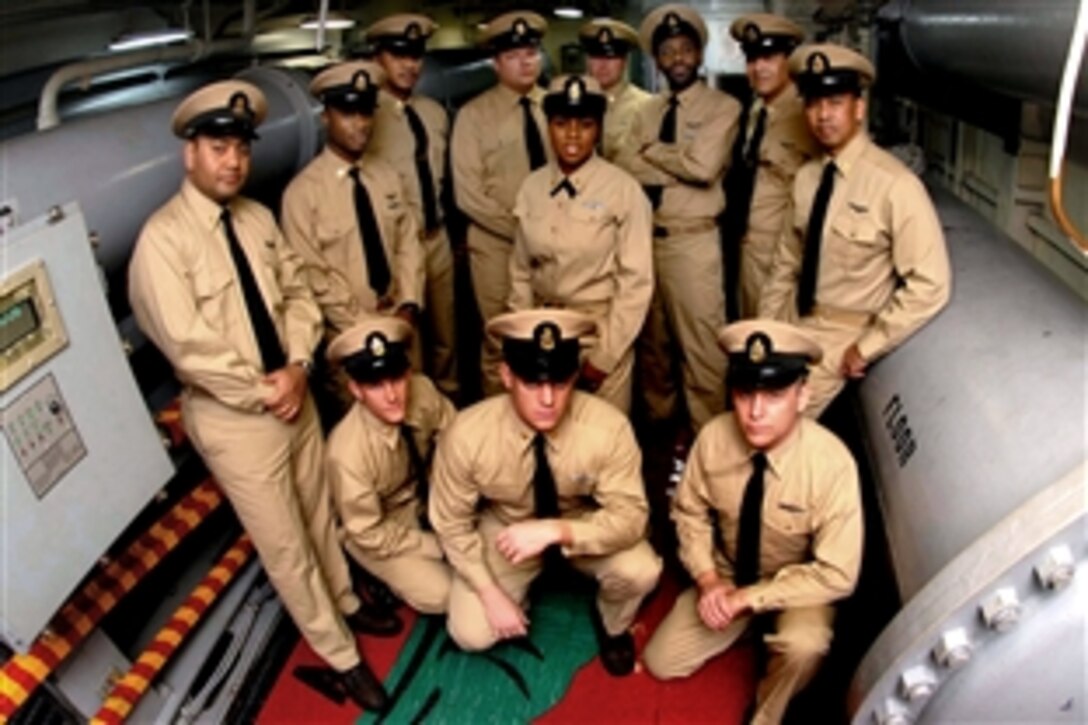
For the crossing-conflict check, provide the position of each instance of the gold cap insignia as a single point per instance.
(759, 347)
(672, 20)
(546, 337)
(818, 63)
(604, 35)
(751, 33)
(239, 104)
(361, 80)
(521, 27)
(575, 88)
(375, 345)
(413, 31)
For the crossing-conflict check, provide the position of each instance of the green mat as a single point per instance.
(435, 682)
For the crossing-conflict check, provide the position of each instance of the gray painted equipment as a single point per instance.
(1015, 47)
(978, 438)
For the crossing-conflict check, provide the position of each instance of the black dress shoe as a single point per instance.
(323, 680)
(617, 653)
(380, 595)
(365, 620)
(364, 689)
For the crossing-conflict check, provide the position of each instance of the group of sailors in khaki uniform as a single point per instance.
(614, 239)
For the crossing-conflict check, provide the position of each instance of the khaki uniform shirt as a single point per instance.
(624, 100)
(691, 169)
(185, 294)
(486, 457)
(882, 251)
(369, 470)
(489, 159)
(319, 221)
(591, 253)
(787, 144)
(392, 141)
(811, 538)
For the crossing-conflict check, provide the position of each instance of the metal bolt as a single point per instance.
(917, 684)
(1057, 568)
(892, 712)
(953, 649)
(94, 240)
(55, 214)
(1002, 610)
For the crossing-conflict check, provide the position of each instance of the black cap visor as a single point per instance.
(829, 83)
(532, 364)
(363, 367)
(773, 373)
(221, 123)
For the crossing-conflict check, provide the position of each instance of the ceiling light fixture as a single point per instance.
(333, 21)
(150, 39)
(569, 12)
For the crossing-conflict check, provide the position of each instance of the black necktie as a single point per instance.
(740, 182)
(545, 494)
(665, 134)
(810, 263)
(423, 170)
(751, 520)
(419, 471)
(268, 342)
(566, 186)
(751, 155)
(533, 143)
(377, 266)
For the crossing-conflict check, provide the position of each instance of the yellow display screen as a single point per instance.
(18, 319)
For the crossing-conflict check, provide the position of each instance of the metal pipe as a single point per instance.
(1014, 47)
(121, 166)
(48, 116)
(1061, 127)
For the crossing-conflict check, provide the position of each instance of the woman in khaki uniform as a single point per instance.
(219, 292)
(377, 462)
(542, 474)
(769, 519)
(583, 239)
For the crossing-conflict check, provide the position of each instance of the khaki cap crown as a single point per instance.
(607, 37)
(764, 24)
(517, 28)
(672, 19)
(359, 76)
(827, 68)
(224, 108)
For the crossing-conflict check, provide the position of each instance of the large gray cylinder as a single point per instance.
(1014, 47)
(978, 437)
(120, 167)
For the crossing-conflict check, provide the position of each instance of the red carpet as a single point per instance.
(718, 693)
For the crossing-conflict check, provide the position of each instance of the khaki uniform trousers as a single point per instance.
(756, 258)
(616, 388)
(440, 313)
(836, 332)
(489, 263)
(687, 310)
(802, 636)
(624, 578)
(420, 577)
(272, 472)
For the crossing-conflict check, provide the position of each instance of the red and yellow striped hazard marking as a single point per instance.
(22, 674)
(128, 690)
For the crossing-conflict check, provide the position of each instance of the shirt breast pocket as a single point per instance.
(786, 536)
(859, 240)
(212, 284)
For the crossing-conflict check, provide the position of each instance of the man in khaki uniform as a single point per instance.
(607, 43)
(348, 217)
(410, 133)
(583, 239)
(498, 138)
(774, 143)
(537, 475)
(679, 151)
(213, 284)
(863, 262)
(769, 519)
(377, 462)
